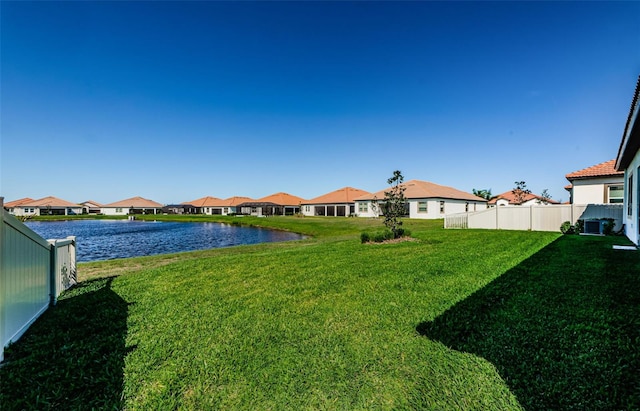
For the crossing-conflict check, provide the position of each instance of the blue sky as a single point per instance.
(175, 101)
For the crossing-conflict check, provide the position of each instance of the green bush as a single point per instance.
(566, 228)
(609, 224)
(578, 227)
(382, 236)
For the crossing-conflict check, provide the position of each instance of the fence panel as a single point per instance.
(33, 273)
(25, 282)
(536, 218)
(513, 218)
(456, 221)
(63, 264)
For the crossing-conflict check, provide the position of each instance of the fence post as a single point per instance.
(73, 269)
(53, 272)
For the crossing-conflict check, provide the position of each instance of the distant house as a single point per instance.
(599, 184)
(218, 206)
(425, 200)
(274, 204)
(338, 203)
(510, 199)
(205, 205)
(179, 209)
(91, 207)
(628, 161)
(11, 205)
(134, 205)
(45, 206)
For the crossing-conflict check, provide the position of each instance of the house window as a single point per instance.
(630, 196)
(441, 207)
(226, 210)
(615, 194)
(118, 210)
(363, 207)
(422, 207)
(466, 207)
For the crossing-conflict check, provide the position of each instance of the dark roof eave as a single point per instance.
(631, 137)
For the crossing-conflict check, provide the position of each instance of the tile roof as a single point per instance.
(49, 202)
(16, 203)
(599, 170)
(282, 199)
(135, 202)
(426, 189)
(207, 201)
(95, 203)
(508, 195)
(342, 195)
(235, 200)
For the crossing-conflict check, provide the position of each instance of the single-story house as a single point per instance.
(179, 209)
(217, 206)
(11, 205)
(599, 184)
(274, 204)
(91, 207)
(628, 161)
(338, 203)
(509, 198)
(46, 206)
(134, 205)
(205, 204)
(425, 200)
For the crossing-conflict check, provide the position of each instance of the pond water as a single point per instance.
(108, 239)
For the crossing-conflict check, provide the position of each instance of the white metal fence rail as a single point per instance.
(33, 273)
(535, 218)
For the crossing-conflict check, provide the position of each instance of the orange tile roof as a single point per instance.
(509, 196)
(49, 202)
(135, 202)
(16, 203)
(282, 199)
(342, 195)
(207, 201)
(426, 189)
(235, 200)
(95, 203)
(599, 170)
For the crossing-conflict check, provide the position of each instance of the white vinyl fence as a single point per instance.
(33, 273)
(535, 218)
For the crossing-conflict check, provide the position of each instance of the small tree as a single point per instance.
(486, 194)
(375, 207)
(520, 192)
(394, 205)
(545, 197)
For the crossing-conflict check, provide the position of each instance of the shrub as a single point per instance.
(382, 236)
(578, 227)
(566, 228)
(607, 228)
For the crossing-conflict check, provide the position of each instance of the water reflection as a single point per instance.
(108, 239)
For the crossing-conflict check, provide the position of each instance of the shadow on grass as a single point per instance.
(72, 357)
(562, 328)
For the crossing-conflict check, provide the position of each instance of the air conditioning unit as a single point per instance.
(594, 227)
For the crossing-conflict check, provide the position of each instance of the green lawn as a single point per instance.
(460, 319)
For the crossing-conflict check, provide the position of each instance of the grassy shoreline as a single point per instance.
(329, 323)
